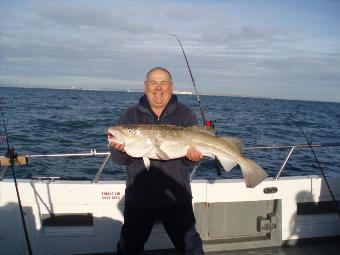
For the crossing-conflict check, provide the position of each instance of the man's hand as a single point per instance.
(193, 154)
(118, 146)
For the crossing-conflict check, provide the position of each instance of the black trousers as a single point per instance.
(178, 221)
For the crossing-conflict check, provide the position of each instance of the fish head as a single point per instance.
(119, 134)
(125, 134)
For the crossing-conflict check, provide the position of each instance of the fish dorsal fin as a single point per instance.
(234, 143)
(208, 130)
(150, 126)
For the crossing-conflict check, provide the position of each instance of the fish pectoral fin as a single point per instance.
(146, 162)
(161, 154)
(227, 163)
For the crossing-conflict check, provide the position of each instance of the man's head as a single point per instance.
(158, 88)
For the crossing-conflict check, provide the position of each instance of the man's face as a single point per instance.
(158, 89)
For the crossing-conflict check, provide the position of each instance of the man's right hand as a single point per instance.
(118, 146)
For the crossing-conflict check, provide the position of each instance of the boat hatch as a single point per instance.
(233, 225)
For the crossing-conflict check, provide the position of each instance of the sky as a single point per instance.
(277, 49)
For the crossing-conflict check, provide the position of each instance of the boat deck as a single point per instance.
(329, 249)
(317, 249)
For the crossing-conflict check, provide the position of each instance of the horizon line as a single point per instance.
(185, 92)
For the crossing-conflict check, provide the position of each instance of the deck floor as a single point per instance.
(327, 249)
(318, 249)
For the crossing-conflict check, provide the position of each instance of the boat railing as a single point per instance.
(292, 148)
(5, 162)
(282, 147)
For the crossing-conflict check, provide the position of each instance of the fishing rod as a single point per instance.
(320, 168)
(13, 159)
(207, 123)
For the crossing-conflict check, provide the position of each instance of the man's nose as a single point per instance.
(158, 86)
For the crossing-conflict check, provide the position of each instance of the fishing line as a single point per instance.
(206, 122)
(12, 157)
(320, 168)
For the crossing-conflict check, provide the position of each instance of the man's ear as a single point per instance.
(145, 84)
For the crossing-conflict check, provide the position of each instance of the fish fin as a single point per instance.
(234, 143)
(253, 174)
(226, 163)
(161, 154)
(211, 156)
(208, 130)
(146, 162)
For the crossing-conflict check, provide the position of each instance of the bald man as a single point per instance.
(163, 192)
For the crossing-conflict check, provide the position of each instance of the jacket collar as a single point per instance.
(144, 106)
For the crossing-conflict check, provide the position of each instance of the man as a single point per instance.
(163, 192)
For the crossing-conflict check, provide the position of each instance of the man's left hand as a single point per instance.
(193, 154)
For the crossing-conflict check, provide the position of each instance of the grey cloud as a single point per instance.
(90, 16)
(120, 42)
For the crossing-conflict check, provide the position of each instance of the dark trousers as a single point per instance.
(178, 221)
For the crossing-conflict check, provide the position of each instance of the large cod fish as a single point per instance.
(164, 142)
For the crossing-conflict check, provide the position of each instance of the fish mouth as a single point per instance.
(111, 136)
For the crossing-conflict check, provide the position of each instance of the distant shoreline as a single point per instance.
(177, 92)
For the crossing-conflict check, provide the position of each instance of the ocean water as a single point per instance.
(49, 121)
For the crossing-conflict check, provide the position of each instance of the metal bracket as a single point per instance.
(266, 225)
(49, 178)
(284, 163)
(96, 178)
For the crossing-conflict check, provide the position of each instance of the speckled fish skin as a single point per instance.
(164, 142)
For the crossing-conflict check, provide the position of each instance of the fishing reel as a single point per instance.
(209, 124)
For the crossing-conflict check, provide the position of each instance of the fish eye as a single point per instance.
(130, 131)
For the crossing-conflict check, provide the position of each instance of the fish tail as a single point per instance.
(253, 174)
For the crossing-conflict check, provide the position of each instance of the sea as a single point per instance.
(64, 121)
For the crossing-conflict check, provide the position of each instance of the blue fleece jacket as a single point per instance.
(166, 183)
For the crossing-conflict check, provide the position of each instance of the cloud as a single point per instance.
(229, 49)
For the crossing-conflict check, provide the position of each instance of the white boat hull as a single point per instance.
(90, 215)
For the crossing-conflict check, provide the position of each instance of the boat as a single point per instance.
(180, 92)
(85, 217)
